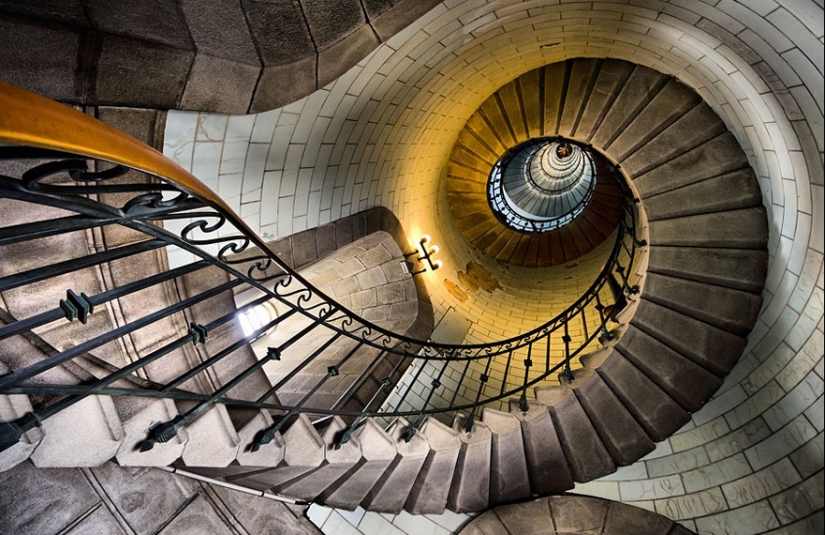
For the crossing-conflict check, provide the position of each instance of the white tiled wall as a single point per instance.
(751, 461)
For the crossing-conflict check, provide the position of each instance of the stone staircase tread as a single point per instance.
(547, 466)
(432, 486)
(337, 464)
(656, 412)
(509, 477)
(641, 86)
(714, 157)
(378, 451)
(740, 269)
(731, 191)
(673, 101)
(577, 92)
(621, 434)
(393, 487)
(585, 453)
(746, 228)
(713, 348)
(470, 488)
(732, 310)
(612, 75)
(696, 126)
(683, 380)
(85, 434)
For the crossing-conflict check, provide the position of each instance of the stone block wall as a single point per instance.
(235, 56)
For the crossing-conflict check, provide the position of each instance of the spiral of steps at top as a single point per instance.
(700, 296)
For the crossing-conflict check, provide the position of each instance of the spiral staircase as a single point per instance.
(699, 296)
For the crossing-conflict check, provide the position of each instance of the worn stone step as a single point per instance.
(138, 415)
(13, 407)
(683, 380)
(509, 477)
(731, 191)
(585, 452)
(336, 464)
(546, 465)
(696, 126)
(740, 269)
(611, 77)
(621, 434)
(213, 441)
(712, 348)
(85, 434)
(641, 86)
(714, 157)
(672, 102)
(735, 229)
(732, 310)
(393, 487)
(582, 74)
(470, 488)
(378, 451)
(303, 452)
(432, 486)
(268, 455)
(658, 413)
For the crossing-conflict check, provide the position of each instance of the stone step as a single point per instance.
(393, 487)
(612, 75)
(378, 451)
(658, 413)
(13, 407)
(683, 380)
(714, 157)
(470, 488)
(582, 76)
(712, 348)
(641, 86)
(694, 127)
(303, 450)
(85, 434)
(731, 191)
(213, 441)
(138, 415)
(585, 452)
(671, 103)
(735, 229)
(621, 434)
(732, 310)
(547, 467)
(740, 269)
(509, 477)
(336, 464)
(432, 486)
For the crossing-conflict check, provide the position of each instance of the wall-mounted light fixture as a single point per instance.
(424, 255)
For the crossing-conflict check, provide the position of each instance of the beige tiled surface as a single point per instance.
(381, 133)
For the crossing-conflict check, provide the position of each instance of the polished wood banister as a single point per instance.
(31, 120)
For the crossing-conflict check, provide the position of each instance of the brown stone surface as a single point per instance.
(740, 269)
(732, 310)
(623, 437)
(712, 348)
(689, 384)
(659, 414)
(548, 470)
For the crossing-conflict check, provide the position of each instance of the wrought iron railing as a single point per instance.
(76, 178)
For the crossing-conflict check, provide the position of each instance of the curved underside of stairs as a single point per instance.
(699, 298)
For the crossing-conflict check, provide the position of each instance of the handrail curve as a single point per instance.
(33, 128)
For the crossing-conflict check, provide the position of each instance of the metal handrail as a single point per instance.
(77, 164)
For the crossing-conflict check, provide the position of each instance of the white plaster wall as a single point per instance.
(751, 460)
